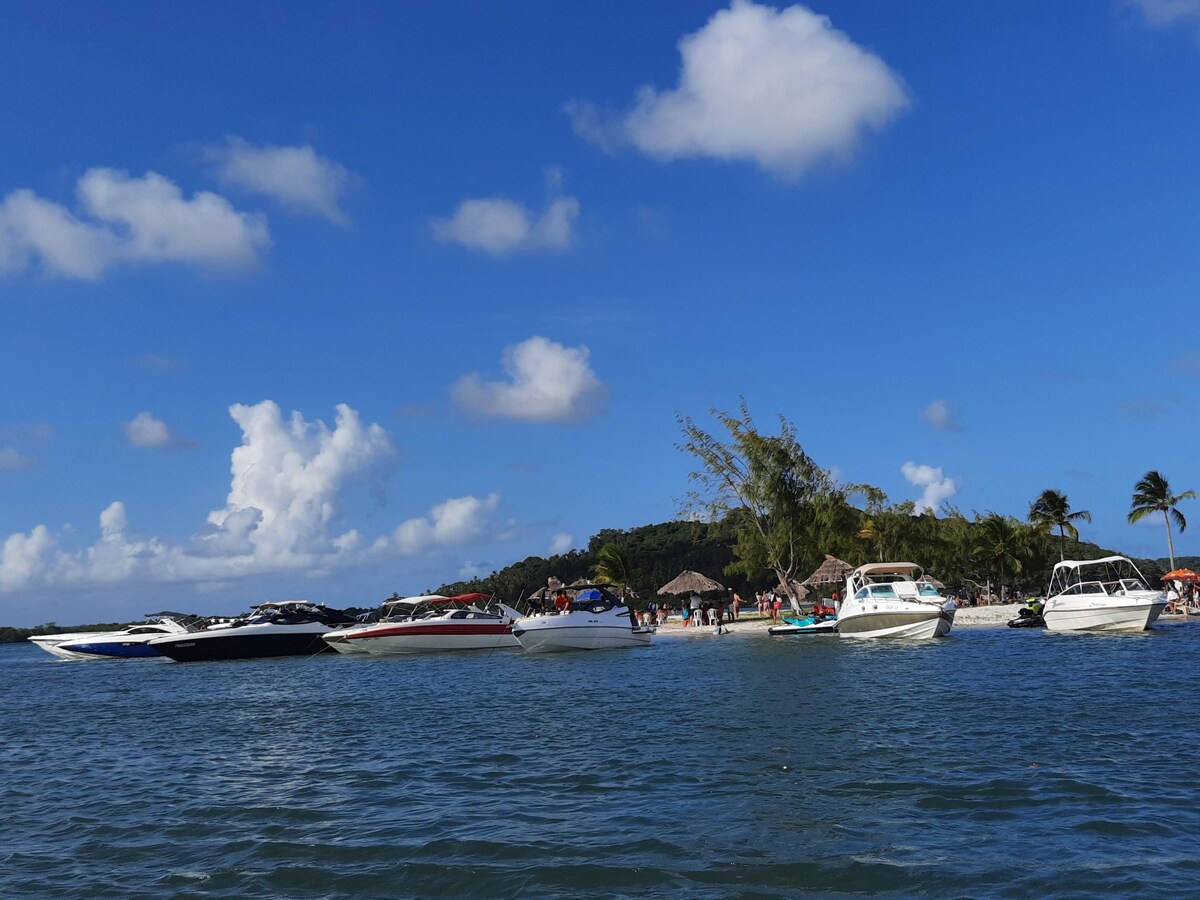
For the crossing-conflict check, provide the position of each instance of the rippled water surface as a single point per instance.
(990, 763)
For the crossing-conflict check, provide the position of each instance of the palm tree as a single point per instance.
(1001, 542)
(1052, 510)
(1153, 494)
(613, 566)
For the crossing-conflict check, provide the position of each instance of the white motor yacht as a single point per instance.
(432, 623)
(596, 620)
(892, 600)
(1106, 594)
(128, 643)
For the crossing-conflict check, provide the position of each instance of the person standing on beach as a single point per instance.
(734, 603)
(776, 606)
(695, 603)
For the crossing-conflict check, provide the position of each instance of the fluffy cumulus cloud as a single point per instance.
(781, 88)
(124, 221)
(457, 521)
(282, 513)
(941, 417)
(560, 543)
(547, 382)
(288, 475)
(937, 488)
(144, 430)
(293, 175)
(500, 226)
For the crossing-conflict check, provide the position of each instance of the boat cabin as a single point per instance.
(1113, 576)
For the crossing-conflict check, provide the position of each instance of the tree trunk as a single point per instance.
(1170, 542)
(1062, 542)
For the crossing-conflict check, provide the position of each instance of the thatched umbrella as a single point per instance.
(552, 587)
(689, 582)
(832, 571)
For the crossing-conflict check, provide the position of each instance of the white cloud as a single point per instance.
(547, 383)
(1168, 12)
(144, 430)
(288, 480)
(12, 461)
(941, 417)
(457, 521)
(291, 473)
(783, 89)
(295, 176)
(126, 221)
(500, 226)
(938, 488)
(560, 543)
(25, 558)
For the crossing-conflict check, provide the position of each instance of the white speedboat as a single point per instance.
(1106, 594)
(891, 600)
(339, 639)
(432, 623)
(285, 628)
(128, 643)
(596, 620)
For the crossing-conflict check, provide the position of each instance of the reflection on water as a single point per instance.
(991, 762)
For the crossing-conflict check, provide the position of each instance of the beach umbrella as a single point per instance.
(832, 571)
(689, 582)
(1182, 575)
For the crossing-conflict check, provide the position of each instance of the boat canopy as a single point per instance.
(1076, 563)
(413, 601)
(889, 568)
(470, 598)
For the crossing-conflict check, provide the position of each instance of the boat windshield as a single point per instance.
(928, 590)
(1111, 575)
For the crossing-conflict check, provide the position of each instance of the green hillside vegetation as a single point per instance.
(766, 515)
(9, 635)
(946, 547)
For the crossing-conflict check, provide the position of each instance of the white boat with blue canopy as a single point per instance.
(597, 619)
(1107, 594)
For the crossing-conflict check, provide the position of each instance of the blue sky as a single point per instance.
(335, 301)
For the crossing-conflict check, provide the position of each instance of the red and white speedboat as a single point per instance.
(432, 623)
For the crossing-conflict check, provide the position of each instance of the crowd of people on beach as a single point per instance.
(695, 611)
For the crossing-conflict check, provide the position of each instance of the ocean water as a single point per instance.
(991, 763)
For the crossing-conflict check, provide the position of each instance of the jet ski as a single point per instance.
(1029, 616)
(822, 620)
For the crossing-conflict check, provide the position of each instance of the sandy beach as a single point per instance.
(752, 623)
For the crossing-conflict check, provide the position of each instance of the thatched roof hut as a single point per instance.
(832, 571)
(553, 585)
(798, 590)
(689, 582)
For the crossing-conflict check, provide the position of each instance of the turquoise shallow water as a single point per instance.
(706, 767)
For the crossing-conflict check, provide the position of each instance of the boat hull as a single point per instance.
(897, 623)
(236, 643)
(130, 649)
(829, 626)
(1091, 616)
(433, 638)
(552, 637)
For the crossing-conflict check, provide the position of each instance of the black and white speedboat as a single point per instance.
(287, 628)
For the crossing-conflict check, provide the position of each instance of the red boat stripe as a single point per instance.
(433, 629)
